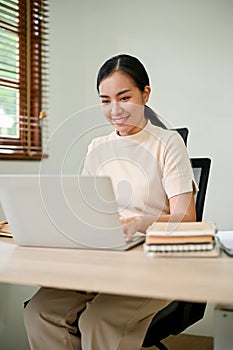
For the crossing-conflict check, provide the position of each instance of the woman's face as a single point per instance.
(123, 103)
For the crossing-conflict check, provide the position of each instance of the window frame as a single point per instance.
(32, 36)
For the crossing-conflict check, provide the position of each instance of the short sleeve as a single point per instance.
(177, 175)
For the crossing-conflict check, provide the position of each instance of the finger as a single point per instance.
(128, 233)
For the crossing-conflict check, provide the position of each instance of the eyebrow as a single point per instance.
(118, 94)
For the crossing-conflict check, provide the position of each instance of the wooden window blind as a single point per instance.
(23, 78)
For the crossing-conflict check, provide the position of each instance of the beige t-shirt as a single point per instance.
(146, 169)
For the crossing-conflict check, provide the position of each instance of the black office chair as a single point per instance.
(178, 315)
(183, 133)
(201, 170)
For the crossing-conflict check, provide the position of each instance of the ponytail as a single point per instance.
(153, 117)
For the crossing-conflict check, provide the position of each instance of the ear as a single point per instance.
(146, 93)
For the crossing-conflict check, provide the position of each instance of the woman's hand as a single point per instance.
(182, 208)
(130, 226)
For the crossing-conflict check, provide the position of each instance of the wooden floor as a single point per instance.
(186, 341)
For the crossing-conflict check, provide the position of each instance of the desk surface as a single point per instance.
(129, 273)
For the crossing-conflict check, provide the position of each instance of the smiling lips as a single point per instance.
(120, 120)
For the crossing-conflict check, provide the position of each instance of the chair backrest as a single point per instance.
(183, 133)
(201, 170)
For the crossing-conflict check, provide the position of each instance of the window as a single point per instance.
(23, 64)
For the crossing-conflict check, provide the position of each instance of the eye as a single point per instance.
(125, 98)
(105, 101)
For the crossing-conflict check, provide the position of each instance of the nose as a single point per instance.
(116, 109)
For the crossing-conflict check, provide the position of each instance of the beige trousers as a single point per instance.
(61, 319)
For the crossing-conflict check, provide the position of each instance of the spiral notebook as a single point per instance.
(185, 251)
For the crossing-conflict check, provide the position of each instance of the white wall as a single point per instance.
(187, 48)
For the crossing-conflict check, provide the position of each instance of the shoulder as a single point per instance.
(98, 141)
(165, 136)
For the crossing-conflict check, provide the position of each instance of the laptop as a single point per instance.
(63, 211)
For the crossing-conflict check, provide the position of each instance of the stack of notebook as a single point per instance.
(181, 239)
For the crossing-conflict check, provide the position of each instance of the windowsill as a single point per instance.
(22, 156)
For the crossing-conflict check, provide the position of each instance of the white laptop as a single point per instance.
(65, 211)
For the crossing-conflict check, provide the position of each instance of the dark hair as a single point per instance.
(136, 71)
(127, 64)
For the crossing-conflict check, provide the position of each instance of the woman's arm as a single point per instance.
(182, 208)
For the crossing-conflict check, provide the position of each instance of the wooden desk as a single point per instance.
(130, 273)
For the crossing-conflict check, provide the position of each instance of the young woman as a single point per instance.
(153, 180)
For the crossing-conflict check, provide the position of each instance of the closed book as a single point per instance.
(181, 232)
(170, 239)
